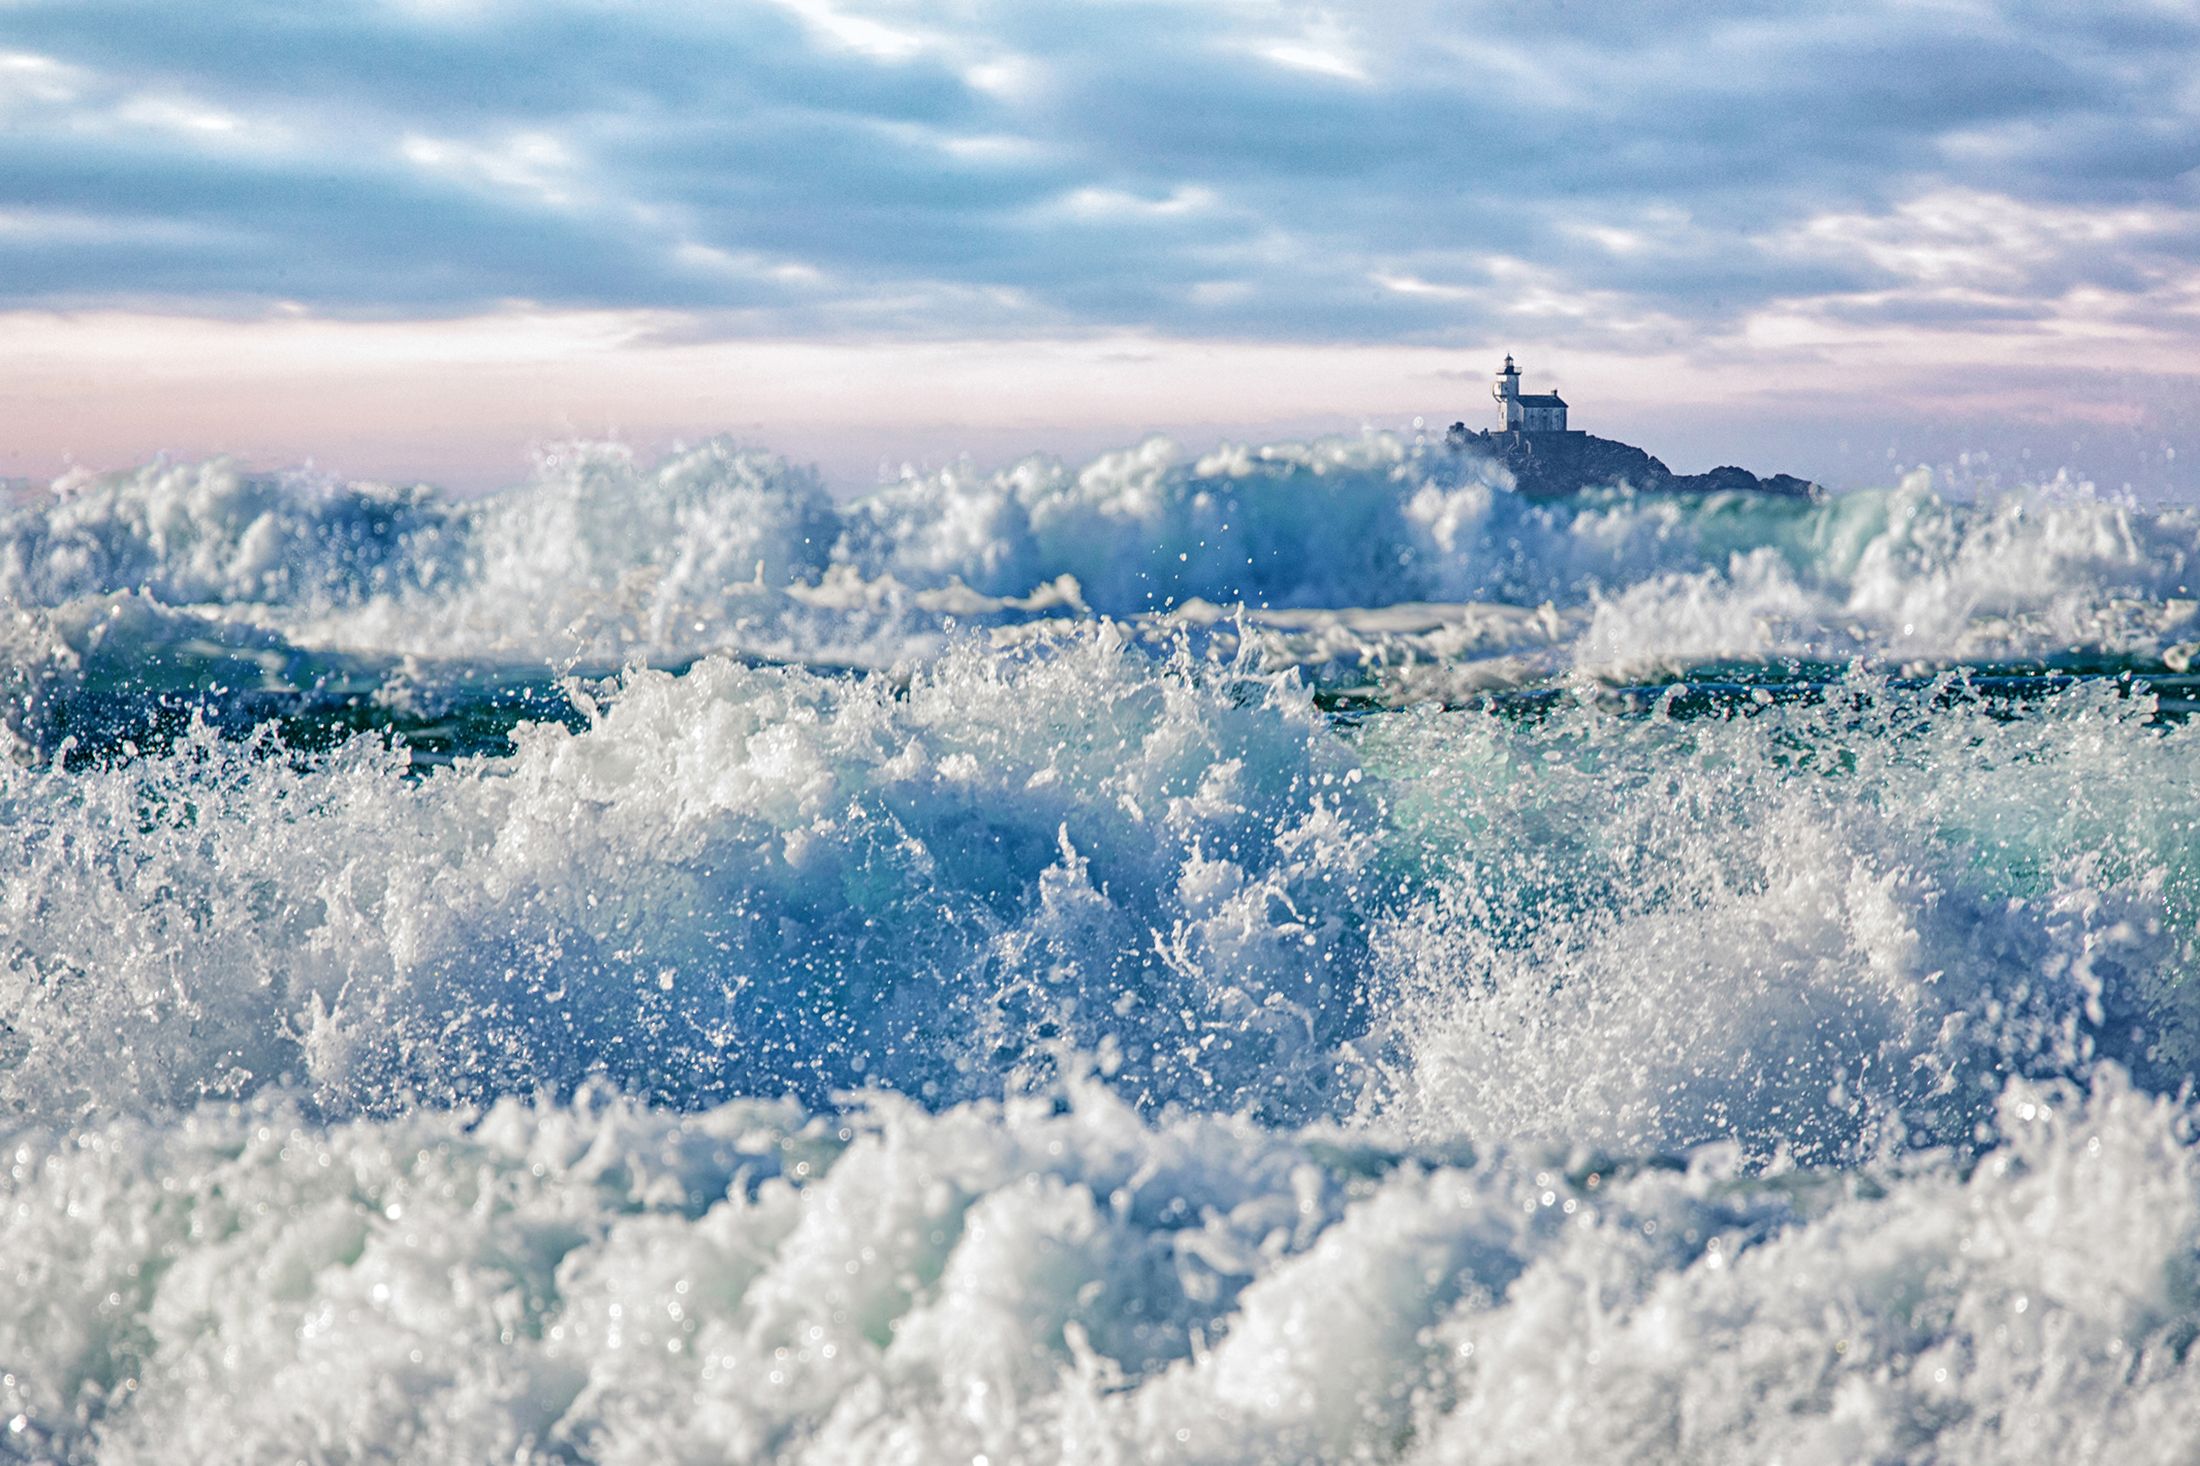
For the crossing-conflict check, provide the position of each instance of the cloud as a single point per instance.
(1412, 171)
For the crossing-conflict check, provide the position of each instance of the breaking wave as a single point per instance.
(1072, 964)
(1040, 1283)
(603, 559)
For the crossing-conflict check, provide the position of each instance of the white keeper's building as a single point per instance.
(1543, 412)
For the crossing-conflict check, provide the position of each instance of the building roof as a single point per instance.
(1540, 399)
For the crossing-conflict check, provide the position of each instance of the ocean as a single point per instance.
(1295, 954)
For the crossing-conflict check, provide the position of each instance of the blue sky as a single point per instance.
(1936, 216)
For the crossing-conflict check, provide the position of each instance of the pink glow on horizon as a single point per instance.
(462, 402)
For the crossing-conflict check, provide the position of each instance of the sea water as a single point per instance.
(1301, 954)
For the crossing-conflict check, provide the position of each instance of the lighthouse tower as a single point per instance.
(1543, 412)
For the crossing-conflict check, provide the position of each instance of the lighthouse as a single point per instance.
(1541, 412)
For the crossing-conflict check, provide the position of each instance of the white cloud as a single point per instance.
(1956, 236)
(751, 266)
(1427, 289)
(1307, 56)
(1369, 172)
(29, 78)
(1115, 203)
(837, 25)
(535, 164)
(175, 115)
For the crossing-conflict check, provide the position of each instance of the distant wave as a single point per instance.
(605, 558)
(1170, 960)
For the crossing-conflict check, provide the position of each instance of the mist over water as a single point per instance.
(1296, 954)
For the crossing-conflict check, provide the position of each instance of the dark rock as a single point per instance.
(1546, 464)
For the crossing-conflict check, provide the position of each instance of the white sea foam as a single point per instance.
(1903, 575)
(1822, 935)
(1064, 1041)
(753, 880)
(603, 558)
(740, 880)
(1041, 1283)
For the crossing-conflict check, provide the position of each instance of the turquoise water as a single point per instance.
(1296, 955)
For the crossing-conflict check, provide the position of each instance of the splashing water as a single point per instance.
(1163, 960)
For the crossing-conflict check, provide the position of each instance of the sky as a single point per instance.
(415, 239)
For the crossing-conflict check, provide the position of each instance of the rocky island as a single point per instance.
(1546, 458)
